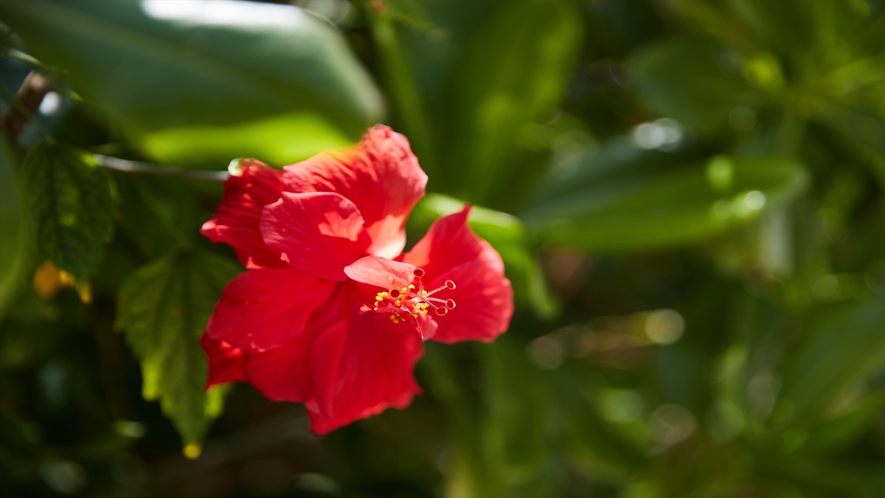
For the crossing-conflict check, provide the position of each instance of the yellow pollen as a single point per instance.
(413, 300)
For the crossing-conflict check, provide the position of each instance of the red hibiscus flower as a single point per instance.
(329, 312)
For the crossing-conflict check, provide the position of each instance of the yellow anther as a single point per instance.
(398, 303)
(405, 289)
(424, 293)
(411, 286)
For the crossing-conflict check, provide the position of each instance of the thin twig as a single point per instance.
(127, 166)
(24, 104)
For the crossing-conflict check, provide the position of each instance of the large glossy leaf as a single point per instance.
(12, 229)
(626, 198)
(197, 81)
(687, 81)
(163, 310)
(72, 203)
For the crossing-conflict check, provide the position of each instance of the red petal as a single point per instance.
(483, 296)
(281, 374)
(261, 309)
(381, 272)
(225, 362)
(236, 219)
(319, 233)
(380, 175)
(361, 370)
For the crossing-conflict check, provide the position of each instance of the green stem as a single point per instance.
(138, 167)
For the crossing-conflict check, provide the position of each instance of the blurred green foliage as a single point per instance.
(688, 197)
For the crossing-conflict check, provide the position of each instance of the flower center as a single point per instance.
(414, 300)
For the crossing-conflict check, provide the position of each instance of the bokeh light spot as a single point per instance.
(664, 326)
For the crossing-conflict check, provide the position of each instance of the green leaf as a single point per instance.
(507, 235)
(597, 446)
(13, 236)
(512, 74)
(861, 132)
(844, 344)
(163, 310)
(837, 433)
(686, 81)
(625, 198)
(204, 81)
(518, 423)
(72, 203)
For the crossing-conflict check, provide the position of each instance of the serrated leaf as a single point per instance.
(163, 310)
(203, 81)
(72, 203)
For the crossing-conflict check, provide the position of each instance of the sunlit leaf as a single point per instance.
(72, 203)
(212, 75)
(163, 310)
